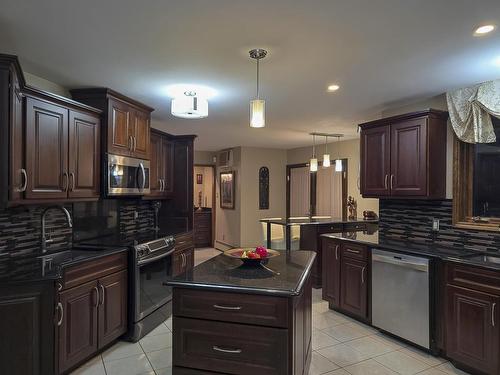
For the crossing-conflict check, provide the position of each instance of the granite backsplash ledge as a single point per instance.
(412, 220)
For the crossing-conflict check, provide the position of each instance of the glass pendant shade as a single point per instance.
(189, 107)
(313, 165)
(257, 113)
(326, 160)
(338, 165)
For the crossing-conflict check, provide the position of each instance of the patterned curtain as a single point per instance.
(470, 110)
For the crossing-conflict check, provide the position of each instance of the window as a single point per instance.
(476, 187)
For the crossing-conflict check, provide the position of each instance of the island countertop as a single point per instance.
(315, 220)
(283, 275)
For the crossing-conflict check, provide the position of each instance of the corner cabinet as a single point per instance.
(404, 156)
(161, 164)
(126, 122)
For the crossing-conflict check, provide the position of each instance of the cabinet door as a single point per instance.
(168, 165)
(409, 158)
(140, 134)
(84, 155)
(375, 161)
(331, 272)
(47, 150)
(189, 259)
(156, 162)
(119, 128)
(472, 329)
(78, 331)
(354, 287)
(112, 307)
(183, 154)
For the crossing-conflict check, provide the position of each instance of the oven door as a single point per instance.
(151, 293)
(127, 176)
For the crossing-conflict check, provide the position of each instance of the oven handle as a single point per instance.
(149, 260)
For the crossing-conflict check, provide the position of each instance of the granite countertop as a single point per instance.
(37, 268)
(455, 254)
(317, 220)
(285, 275)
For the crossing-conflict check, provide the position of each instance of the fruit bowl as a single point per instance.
(247, 257)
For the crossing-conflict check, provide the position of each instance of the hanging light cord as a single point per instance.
(314, 146)
(258, 97)
(326, 144)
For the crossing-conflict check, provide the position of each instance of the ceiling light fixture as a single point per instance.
(313, 163)
(483, 30)
(338, 162)
(333, 88)
(258, 106)
(326, 156)
(189, 106)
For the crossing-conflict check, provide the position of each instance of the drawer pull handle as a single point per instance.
(352, 251)
(61, 309)
(337, 252)
(363, 275)
(493, 314)
(229, 351)
(232, 308)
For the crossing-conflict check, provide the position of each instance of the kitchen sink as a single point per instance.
(485, 258)
(65, 256)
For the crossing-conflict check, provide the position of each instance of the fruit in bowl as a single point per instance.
(252, 256)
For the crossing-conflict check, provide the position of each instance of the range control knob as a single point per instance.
(141, 251)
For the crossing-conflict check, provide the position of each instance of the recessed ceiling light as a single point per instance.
(332, 88)
(483, 30)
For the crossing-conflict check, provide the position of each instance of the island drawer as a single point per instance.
(229, 348)
(355, 227)
(231, 307)
(354, 251)
(476, 278)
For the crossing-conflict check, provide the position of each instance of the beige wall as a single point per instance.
(252, 159)
(46, 85)
(339, 150)
(436, 102)
(204, 157)
(205, 189)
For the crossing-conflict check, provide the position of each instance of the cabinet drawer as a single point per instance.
(355, 226)
(231, 307)
(184, 241)
(330, 228)
(229, 348)
(94, 269)
(354, 251)
(473, 277)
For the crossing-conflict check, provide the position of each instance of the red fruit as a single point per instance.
(253, 255)
(262, 251)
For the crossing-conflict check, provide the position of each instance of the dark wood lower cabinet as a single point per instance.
(183, 259)
(331, 272)
(354, 287)
(27, 329)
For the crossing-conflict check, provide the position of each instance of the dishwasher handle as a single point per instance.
(401, 262)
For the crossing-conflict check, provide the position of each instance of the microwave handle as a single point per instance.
(143, 171)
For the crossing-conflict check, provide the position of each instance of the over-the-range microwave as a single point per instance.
(127, 176)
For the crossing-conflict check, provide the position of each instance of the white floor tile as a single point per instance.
(423, 356)
(320, 307)
(122, 349)
(164, 371)
(322, 340)
(402, 363)
(135, 365)
(432, 371)
(367, 330)
(160, 330)
(340, 371)
(158, 342)
(343, 355)
(320, 365)
(389, 341)
(161, 358)
(325, 320)
(448, 368)
(369, 346)
(93, 367)
(344, 332)
(168, 323)
(369, 367)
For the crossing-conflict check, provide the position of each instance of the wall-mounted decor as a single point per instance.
(264, 188)
(199, 179)
(227, 189)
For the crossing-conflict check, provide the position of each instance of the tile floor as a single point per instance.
(341, 346)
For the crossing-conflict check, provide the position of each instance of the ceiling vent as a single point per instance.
(225, 158)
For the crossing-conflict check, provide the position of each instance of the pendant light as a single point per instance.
(326, 156)
(258, 106)
(313, 163)
(338, 162)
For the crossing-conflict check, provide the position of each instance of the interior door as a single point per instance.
(354, 287)
(78, 331)
(84, 155)
(112, 307)
(472, 327)
(156, 162)
(47, 150)
(140, 134)
(409, 158)
(375, 161)
(331, 272)
(119, 128)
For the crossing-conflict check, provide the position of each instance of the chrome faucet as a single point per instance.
(46, 240)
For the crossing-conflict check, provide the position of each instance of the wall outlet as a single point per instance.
(136, 215)
(435, 224)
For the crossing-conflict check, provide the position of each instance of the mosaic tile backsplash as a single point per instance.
(412, 220)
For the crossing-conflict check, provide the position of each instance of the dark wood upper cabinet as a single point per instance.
(161, 164)
(126, 122)
(47, 150)
(404, 156)
(168, 167)
(375, 161)
(183, 171)
(78, 329)
(84, 155)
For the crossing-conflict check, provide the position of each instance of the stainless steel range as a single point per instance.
(150, 299)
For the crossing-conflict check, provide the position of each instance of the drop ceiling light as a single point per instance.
(326, 156)
(483, 30)
(313, 163)
(333, 88)
(189, 106)
(258, 106)
(179, 89)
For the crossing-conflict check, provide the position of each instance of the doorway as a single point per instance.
(204, 205)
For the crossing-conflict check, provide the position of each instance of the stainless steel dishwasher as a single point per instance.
(400, 296)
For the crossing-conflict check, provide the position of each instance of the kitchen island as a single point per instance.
(235, 319)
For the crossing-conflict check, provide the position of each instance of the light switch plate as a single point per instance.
(435, 224)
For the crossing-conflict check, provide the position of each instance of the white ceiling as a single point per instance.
(379, 51)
